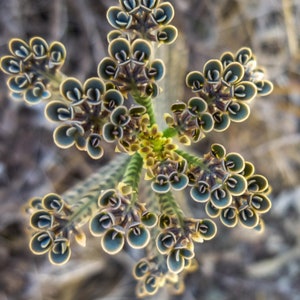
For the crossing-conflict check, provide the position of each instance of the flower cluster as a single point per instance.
(117, 107)
(222, 91)
(145, 19)
(121, 218)
(32, 66)
(49, 217)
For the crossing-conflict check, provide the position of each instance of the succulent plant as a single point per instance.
(116, 107)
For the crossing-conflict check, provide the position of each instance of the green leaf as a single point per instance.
(93, 146)
(149, 219)
(39, 48)
(245, 91)
(156, 70)
(42, 219)
(260, 203)
(113, 241)
(248, 217)
(141, 269)
(138, 236)
(57, 55)
(141, 51)
(20, 49)
(165, 241)
(197, 106)
(167, 35)
(11, 65)
(218, 151)
(238, 111)
(94, 88)
(119, 49)
(213, 71)
(175, 261)
(57, 111)
(53, 202)
(226, 59)
(41, 242)
(244, 55)
(60, 252)
(195, 80)
(72, 90)
(200, 192)
(118, 18)
(101, 222)
(229, 216)
(234, 162)
(233, 73)
(164, 13)
(257, 183)
(107, 68)
(207, 228)
(264, 87)
(112, 99)
(220, 197)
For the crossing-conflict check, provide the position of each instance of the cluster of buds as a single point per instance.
(130, 67)
(121, 218)
(229, 188)
(49, 219)
(145, 19)
(31, 67)
(116, 107)
(223, 92)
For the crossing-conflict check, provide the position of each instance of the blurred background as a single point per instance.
(236, 264)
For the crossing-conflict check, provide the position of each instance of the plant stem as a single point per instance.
(147, 103)
(84, 197)
(169, 206)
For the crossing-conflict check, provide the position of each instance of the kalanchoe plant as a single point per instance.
(117, 107)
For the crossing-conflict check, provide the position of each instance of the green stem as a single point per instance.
(190, 158)
(85, 196)
(147, 103)
(170, 206)
(131, 179)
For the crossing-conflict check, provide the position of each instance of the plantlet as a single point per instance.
(117, 107)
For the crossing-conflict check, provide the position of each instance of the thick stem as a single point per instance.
(133, 172)
(169, 206)
(85, 197)
(147, 103)
(190, 158)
